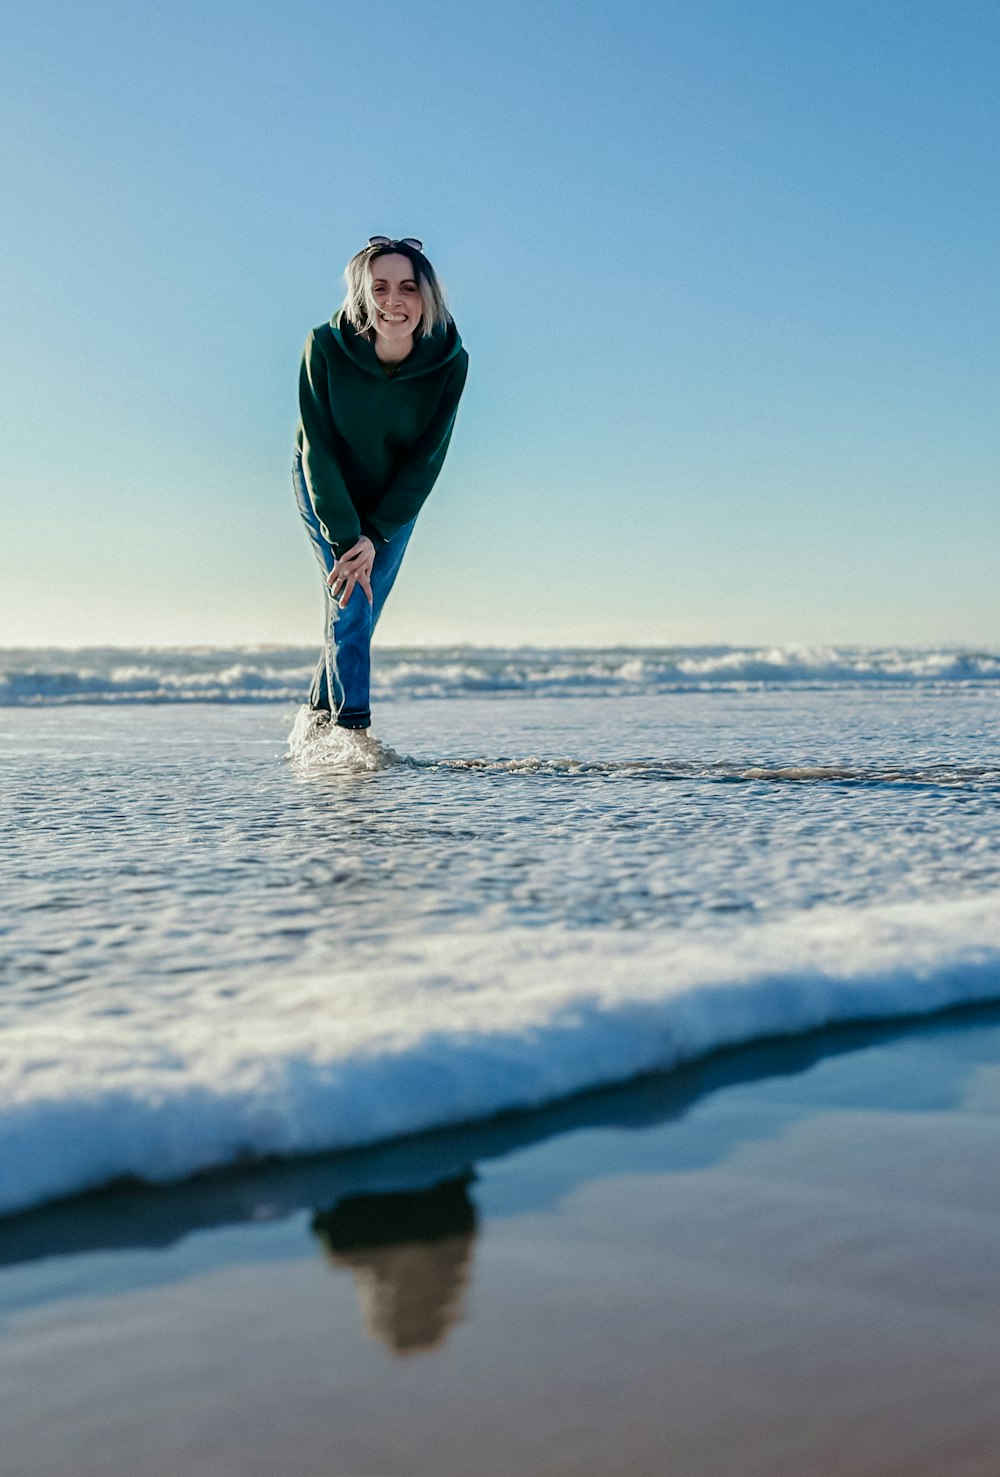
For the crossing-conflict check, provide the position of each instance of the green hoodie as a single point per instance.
(373, 437)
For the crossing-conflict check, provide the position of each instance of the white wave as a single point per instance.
(225, 675)
(447, 1028)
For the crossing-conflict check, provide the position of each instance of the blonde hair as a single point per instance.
(359, 306)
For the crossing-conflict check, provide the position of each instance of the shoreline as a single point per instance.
(595, 1007)
(288, 1181)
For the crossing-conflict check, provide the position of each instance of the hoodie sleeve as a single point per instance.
(414, 478)
(336, 513)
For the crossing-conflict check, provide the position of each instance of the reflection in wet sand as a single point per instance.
(411, 1255)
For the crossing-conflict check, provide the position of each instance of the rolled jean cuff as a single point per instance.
(354, 718)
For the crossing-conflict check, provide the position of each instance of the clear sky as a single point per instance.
(726, 271)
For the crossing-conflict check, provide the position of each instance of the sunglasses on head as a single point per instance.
(403, 241)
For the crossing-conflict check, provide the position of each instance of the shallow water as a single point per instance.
(196, 923)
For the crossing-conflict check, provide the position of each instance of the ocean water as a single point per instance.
(551, 870)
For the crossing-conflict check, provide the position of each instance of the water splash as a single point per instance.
(316, 744)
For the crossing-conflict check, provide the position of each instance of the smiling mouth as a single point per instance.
(393, 317)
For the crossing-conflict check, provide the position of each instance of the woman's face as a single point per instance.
(395, 290)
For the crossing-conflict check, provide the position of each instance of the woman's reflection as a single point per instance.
(411, 1255)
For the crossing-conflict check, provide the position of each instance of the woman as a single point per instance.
(378, 394)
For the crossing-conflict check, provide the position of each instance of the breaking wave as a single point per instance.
(449, 1028)
(47, 676)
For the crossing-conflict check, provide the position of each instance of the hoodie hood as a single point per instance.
(427, 354)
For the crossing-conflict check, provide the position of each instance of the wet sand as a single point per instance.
(783, 1260)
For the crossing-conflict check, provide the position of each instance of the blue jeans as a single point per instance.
(342, 679)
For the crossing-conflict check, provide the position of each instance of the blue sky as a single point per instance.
(726, 271)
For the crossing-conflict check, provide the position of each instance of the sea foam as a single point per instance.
(449, 1027)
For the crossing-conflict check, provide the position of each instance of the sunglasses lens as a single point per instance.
(388, 241)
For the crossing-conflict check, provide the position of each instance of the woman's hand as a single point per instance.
(354, 567)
